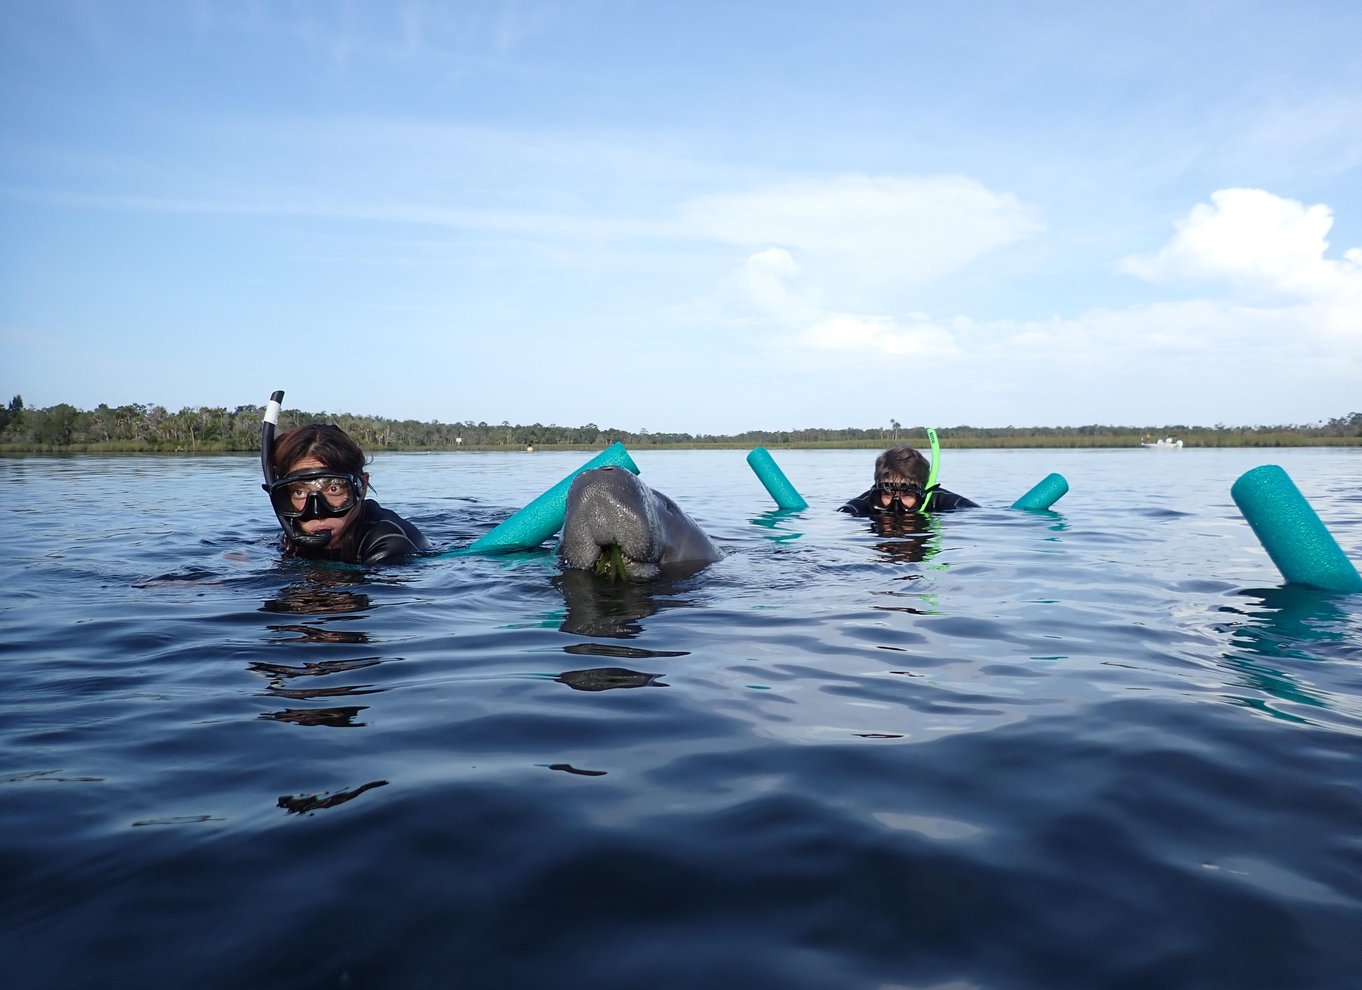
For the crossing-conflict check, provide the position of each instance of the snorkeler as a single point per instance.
(903, 485)
(316, 482)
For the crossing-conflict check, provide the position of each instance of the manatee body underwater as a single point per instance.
(618, 526)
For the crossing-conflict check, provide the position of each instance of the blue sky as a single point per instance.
(698, 217)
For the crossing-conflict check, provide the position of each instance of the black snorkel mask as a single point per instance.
(316, 493)
(320, 500)
(895, 489)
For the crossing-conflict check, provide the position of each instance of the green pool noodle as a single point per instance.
(770, 474)
(1292, 534)
(1049, 491)
(543, 517)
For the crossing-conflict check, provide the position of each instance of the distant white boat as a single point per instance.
(1167, 443)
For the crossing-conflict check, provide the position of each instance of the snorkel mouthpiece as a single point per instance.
(310, 541)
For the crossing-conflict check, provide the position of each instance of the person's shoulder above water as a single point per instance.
(943, 501)
(384, 535)
(862, 505)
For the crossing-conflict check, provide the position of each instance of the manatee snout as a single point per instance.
(611, 511)
(609, 507)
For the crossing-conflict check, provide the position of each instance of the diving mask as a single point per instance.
(317, 493)
(898, 493)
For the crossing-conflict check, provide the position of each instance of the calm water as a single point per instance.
(1099, 747)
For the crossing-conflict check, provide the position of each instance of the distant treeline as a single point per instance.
(216, 429)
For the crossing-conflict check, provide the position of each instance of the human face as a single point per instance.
(898, 496)
(336, 525)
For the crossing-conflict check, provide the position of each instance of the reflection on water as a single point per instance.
(316, 599)
(608, 678)
(598, 607)
(306, 804)
(307, 694)
(336, 718)
(622, 652)
(909, 609)
(1291, 621)
(178, 820)
(325, 592)
(319, 668)
(908, 538)
(1282, 628)
(315, 634)
(569, 768)
(783, 523)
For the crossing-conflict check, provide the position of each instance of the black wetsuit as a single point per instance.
(378, 534)
(940, 500)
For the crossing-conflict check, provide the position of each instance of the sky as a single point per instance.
(693, 217)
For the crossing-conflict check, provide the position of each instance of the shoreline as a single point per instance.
(1190, 442)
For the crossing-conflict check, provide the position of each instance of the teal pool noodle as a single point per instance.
(1050, 490)
(543, 517)
(761, 461)
(1289, 530)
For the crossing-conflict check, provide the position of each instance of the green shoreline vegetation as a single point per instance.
(63, 429)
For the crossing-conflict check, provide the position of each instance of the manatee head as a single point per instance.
(611, 525)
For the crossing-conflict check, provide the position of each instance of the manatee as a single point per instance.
(617, 525)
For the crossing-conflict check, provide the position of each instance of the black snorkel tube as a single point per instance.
(310, 541)
(267, 426)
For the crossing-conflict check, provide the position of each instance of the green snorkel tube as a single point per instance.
(933, 472)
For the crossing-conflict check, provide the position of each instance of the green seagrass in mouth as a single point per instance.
(611, 563)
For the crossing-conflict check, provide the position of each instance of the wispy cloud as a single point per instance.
(771, 292)
(870, 230)
(837, 256)
(1270, 289)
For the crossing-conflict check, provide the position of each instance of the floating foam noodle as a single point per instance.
(1049, 491)
(770, 474)
(543, 517)
(1291, 533)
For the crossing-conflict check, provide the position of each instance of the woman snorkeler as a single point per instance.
(316, 481)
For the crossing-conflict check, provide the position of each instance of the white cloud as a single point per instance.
(1260, 242)
(1165, 358)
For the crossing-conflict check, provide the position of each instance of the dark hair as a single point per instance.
(902, 462)
(333, 447)
(329, 444)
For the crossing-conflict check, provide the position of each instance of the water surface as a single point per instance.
(1099, 746)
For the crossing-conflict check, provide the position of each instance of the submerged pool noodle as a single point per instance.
(1049, 491)
(543, 517)
(770, 474)
(1292, 534)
